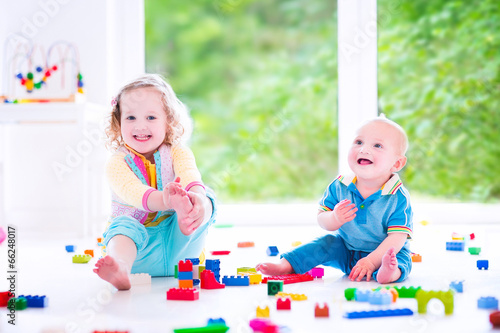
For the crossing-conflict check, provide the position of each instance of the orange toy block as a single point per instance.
(89, 252)
(185, 284)
(416, 257)
(246, 244)
(321, 311)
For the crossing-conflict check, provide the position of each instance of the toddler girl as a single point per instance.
(161, 210)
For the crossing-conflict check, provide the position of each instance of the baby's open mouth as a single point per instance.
(364, 161)
(142, 137)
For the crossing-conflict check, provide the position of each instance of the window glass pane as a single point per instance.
(439, 77)
(260, 80)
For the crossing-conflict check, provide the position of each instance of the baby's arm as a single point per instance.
(369, 264)
(343, 212)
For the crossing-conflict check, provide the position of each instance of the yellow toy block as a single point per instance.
(263, 313)
(255, 278)
(423, 297)
(296, 243)
(185, 283)
(294, 297)
(245, 269)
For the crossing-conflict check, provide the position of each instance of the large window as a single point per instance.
(260, 80)
(439, 76)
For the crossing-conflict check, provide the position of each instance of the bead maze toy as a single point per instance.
(32, 75)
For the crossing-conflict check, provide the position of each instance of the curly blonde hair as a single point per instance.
(178, 121)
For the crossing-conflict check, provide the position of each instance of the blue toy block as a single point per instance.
(236, 280)
(455, 246)
(482, 264)
(70, 248)
(272, 251)
(216, 321)
(362, 295)
(185, 275)
(379, 298)
(196, 282)
(490, 303)
(379, 313)
(214, 266)
(457, 286)
(194, 261)
(36, 301)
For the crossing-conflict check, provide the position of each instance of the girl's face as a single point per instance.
(143, 120)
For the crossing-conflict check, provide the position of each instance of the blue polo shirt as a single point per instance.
(385, 211)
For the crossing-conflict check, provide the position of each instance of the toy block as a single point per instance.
(99, 240)
(379, 313)
(214, 266)
(185, 275)
(205, 329)
(456, 236)
(180, 294)
(490, 303)
(255, 278)
(246, 244)
(321, 311)
(482, 264)
(245, 270)
(196, 282)
(350, 294)
(109, 332)
(394, 294)
(220, 253)
(405, 292)
(380, 298)
(263, 325)
(289, 278)
(236, 280)
(284, 303)
(317, 272)
(4, 298)
(36, 301)
(70, 248)
(196, 272)
(262, 313)
(176, 272)
(296, 243)
(89, 252)
(472, 236)
(274, 287)
(495, 319)
(140, 278)
(185, 266)
(20, 303)
(294, 297)
(474, 250)
(272, 251)
(194, 261)
(81, 258)
(455, 246)
(362, 295)
(186, 284)
(423, 297)
(457, 286)
(416, 257)
(208, 281)
(216, 321)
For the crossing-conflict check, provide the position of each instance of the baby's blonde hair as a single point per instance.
(403, 139)
(178, 121)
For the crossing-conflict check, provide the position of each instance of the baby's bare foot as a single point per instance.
(113, 271)
(389, 270)
(282, 268)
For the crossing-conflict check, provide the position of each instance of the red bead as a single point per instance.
(23, 81)
(47, 73)
(54, 68)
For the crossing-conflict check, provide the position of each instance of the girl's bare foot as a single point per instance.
(389, 270)
(282, 268)
(113, 271)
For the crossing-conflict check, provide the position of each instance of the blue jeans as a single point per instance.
(330, 250)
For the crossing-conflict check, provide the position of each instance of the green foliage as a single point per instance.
(439, 77)
(261, 81)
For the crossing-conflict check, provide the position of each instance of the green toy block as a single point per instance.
(423, 297)
(81, 258)
(21, 303)
(350, 293)
(246, 269)
(474, 250)
(405, 292)
(200, 269)
(176, 272)
(214, 328)
(274, 287)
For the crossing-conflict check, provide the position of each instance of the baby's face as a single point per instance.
(143, 120)
(375, 151)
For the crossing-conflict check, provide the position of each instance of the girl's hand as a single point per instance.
(345, 211)
(197, 214)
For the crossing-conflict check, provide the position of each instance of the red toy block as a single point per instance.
(321, 311)
(182, 294)
(208, 281)
(289, 278)
(495, 319)
(472, 236)
(4, 298)
(284, 303)
(220, 253)
(185, 266)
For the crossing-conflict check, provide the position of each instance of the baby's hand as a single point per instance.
(364, 267)
(344, 211)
